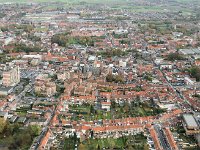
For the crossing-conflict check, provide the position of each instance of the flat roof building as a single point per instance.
(190, 121)
(189, 51)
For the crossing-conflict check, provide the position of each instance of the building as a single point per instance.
(190, 124)
(6, 90)
(44, 86)
(189, 81)
(189, 52)
(106, 106)
(11, 76)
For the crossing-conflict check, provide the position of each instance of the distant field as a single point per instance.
(68, 1)
(117, 4)
(186, 0)
(78, 1)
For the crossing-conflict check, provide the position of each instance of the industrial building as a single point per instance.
(190, 124)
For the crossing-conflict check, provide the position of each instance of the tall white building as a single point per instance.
(11, 76)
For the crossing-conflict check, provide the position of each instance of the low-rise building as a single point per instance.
(44, 85)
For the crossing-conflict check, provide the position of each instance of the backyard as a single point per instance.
(87, 112)
(135, 142)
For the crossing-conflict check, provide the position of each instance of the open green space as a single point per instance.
(135, 109)
(87, 112)
(144, 8)
(89, 1)
(66, 39)
(64, 1)
(186, 1)
(112, 53)
(136, 142)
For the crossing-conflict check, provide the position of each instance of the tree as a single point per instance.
(92, 134)
(195, 72)
(16, 137)
(34, 130)
(118, 79)
(113, 104)
(91, 109)
(20, 47)
(98, 147)
(4, 29)
(65, 39)
(126, 107)
(34, 38)
(112, 53)
(109, 78)
(147, 77)
(137, 99)
(2, 125)
(114, 78)
(175, 56)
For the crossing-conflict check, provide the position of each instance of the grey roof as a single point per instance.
(190, 121)
(13, 118)
(21, 119)
(3, 88)
(190, 51)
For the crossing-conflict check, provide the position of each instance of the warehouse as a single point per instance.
(190, 122)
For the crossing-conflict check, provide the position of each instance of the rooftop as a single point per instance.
(190, 121)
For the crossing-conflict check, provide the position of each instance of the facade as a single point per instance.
(11, 76)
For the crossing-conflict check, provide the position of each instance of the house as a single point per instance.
(106, 106)
(166, 66)
(21, 120)
(189, 81)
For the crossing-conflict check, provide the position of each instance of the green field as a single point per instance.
(77, 1)
(67, 1)
(116, 4)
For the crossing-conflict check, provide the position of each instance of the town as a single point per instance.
(100, 75)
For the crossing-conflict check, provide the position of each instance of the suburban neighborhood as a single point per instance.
(100, 75)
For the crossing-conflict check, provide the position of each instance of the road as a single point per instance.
(162, 138)
(179, 94)
(38, 139)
